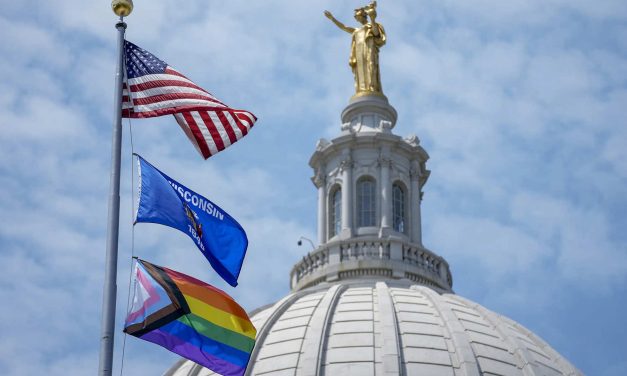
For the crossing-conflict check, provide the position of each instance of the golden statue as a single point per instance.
(366, 41)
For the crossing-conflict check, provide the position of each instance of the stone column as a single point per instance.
(320, 182)
(347, 195)
(386, 190)
(414, 193)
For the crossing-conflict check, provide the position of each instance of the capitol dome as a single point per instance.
(371, 299)
(390, 328)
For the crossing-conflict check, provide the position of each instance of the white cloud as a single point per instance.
(498, 251)
(520, 107)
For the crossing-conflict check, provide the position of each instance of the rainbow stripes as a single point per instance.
(190, 318)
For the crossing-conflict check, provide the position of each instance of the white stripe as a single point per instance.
(168, 77)
(157, 77)
(170, 90)
(205, 132)
(173, 103)
(188, 132)
(220, 127)
(238, 132)
(248, 124)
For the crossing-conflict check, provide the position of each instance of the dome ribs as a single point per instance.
(516, 346)
(317, 332)
(462, 354)
(549, 354)
(350, 342)
(262, 333)
(391, 354)
(422, 337)
(391, 327)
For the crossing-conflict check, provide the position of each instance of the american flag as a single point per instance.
(153, 88)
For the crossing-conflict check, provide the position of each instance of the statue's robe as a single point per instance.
(364, 58)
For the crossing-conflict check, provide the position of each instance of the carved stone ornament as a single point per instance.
(346, 164)
(322, 143)
(414, 170)
(412, 139)
(319, 178)
(384, 160)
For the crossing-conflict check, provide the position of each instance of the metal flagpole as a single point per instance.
(121, 8)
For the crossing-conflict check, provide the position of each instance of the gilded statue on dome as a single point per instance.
(366, 41)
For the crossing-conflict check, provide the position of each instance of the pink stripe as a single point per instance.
(153, 296)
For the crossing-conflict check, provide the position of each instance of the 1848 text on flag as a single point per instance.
(219, 237)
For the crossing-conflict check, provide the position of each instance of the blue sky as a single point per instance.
(520, 104)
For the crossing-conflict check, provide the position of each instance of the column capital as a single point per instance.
(347, 163)
(319, 178)
(415, 172)
(385, 161)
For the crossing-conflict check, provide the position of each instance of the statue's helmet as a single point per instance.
(360, 14)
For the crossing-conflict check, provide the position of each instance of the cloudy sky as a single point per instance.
(521, 105)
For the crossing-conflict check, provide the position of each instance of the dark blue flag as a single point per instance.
(218, 236)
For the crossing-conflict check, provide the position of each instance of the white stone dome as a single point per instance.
(364, 327)
(371, 299)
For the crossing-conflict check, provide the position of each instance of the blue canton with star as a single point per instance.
(140, 62)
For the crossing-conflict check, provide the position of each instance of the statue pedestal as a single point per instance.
(369, 113)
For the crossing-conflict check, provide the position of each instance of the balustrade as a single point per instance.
(421, 261)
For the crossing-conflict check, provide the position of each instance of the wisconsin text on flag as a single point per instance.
(190, 318)
(154, 88)
(219, 237)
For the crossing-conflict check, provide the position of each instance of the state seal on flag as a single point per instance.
(193, 218)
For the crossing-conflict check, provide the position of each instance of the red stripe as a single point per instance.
(200, 139)
(241, 126)
(171, 111)
(164, 83)
(215, 135)
(169, 70)
(242, 115)
(205, 292)
(227, 126)
(170, 97)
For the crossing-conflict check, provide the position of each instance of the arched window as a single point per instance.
(335, 212)
(398, 208)
(366, 200)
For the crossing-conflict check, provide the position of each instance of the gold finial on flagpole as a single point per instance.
(122, 8)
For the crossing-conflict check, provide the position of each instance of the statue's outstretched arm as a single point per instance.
(337, 23)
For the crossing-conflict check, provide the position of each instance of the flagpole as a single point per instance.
(121, 8)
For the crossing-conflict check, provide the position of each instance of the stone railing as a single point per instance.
(371, 257)
(312, 262)
(423, 258)
(359, 250)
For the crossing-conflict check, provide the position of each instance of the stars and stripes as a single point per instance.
(155, 89)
